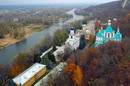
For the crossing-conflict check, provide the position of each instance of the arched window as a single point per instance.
(105, 34)
(108, 35)
(111, 35)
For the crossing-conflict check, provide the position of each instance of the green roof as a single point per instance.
(102, 31)
(109, 29)
(99, 34)
(118, 35)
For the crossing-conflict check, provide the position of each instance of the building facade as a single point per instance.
(104, 35)
(87, 30)
(73, 41)
(29, 76)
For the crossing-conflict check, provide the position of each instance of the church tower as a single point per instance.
(104, 35)
(72, 34)
(109, 22)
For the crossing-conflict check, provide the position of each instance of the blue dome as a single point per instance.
(72, 28)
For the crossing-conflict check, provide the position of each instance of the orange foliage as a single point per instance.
(70, 68)
(75, 73)
(70, 61)
(20, 64)
(98, 24)
(125, 66)
(90, 53)
(77, 76)
(16, 70)
(91, 38)
(95, 61)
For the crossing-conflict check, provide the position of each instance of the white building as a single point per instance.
(73, 41)
(56, 72)
(59, 51)
(87, 30)
(30, 75)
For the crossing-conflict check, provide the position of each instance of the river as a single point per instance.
(7, 54)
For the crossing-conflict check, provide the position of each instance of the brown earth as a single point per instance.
(8, 40)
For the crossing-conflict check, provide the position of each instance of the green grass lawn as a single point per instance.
(39, 29)
(42, 27)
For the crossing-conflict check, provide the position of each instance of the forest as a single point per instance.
(106, 65)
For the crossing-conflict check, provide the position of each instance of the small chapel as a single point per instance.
(73, 40)
(104, 35)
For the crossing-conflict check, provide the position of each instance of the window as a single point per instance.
(112, 35)
(105, 34)
(108, 35)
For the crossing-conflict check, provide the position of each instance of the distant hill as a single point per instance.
(114, 9)
(117, 9)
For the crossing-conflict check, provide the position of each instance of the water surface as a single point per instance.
(24, 45)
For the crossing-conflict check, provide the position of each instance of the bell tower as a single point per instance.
(72, 34)
(109, 22)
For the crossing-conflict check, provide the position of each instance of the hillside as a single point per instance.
(91, 9)
(113, 9)
(117, 9)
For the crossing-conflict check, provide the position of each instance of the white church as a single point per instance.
(73, 40)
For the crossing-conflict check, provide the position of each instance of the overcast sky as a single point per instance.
(11, 2)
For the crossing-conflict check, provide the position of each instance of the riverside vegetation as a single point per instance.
(23, 23)
(25, 59)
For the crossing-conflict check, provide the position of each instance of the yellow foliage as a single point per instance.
(77, 76)
(75, 73)
(91, 39)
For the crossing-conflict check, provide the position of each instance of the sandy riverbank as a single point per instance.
(9, 40)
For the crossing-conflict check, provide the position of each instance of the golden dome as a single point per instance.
(109, 21)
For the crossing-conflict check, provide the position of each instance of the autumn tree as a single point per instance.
(60, 37)
(91, 38)
(75, 72)
(108, 64)
(20, 63)
(98, 24)
(18, 33)
(4, 74)
(76, 24)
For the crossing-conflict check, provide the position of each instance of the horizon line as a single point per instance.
(55, 4)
